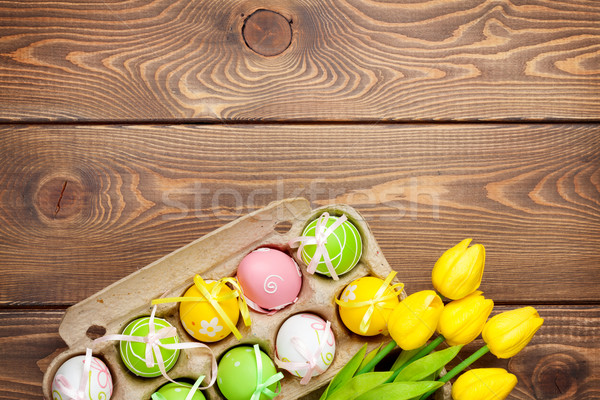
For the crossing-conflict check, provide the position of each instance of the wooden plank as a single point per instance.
(83, 206)
(563, 360)
(109, 60)
(26, 336)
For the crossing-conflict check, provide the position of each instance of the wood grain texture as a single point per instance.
(109, 60)
(129, 195)
(25, 338)
(562, 361)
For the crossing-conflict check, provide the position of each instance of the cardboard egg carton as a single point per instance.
(214, 256)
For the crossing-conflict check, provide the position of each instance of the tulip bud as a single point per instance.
(413, 321)
(458, 272)
(462, 320)
(484, 384)
(507, 333)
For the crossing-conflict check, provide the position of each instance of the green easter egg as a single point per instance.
(344, 247)
(172, 391)
(237, 373)
(133, 353)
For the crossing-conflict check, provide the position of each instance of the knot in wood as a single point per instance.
(59, 198)
(557, 375)
(267, 33)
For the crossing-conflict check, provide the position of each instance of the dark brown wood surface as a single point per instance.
(561, 362)
(130, 128)
(348, 60)
(111, 199)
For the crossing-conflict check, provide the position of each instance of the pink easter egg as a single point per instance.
(269, 278)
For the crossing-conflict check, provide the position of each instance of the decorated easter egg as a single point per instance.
(344, 246)
(302, 333)
(237, 376)
(133, 353)
(68, 378)
(202, 321)
(176, 391)
(269, 278)
(353, 307)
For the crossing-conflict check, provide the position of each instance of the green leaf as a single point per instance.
(424, 367)
(359, 384)
(400, 390)
(345, 373)
(434, 376)
(405, 356)
(369, 357)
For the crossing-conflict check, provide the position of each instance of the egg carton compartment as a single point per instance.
(214, 256)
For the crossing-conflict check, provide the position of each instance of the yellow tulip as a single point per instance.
(484, 384)
(414, 320)
(462, 320)
(507, 333)
(458, 272)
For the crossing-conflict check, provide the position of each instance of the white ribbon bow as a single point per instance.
(65, 386)
(311, 359)
(320, 240)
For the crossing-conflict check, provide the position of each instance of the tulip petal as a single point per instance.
(463, 320)
(509, 332)
(415, 319)
(442, 267)
(484, 384)
(459, 270)
(473, 262)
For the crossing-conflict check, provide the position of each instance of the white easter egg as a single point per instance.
(68, 376)
(305, 333)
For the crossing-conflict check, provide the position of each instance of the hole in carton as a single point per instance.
(95, 332)
(283, 227)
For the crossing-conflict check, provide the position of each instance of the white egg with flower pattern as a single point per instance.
(303, 335)
(100, 383)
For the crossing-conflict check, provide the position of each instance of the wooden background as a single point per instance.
(130, 128)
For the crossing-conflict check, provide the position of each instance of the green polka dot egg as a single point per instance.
(344, 246)
(237, 376)
(133, 353)
(176, 391)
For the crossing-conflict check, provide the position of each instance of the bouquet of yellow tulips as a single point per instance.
(415, 375)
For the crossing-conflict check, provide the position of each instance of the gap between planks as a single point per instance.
(369, 122)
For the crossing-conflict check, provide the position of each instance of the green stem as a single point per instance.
(459, 368)
(424, 351)
(378, 357)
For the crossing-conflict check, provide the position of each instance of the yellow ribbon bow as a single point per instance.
(214, 298)
(378, 301)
